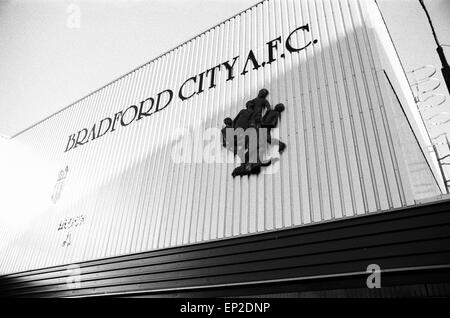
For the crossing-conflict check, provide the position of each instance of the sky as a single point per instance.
(54, 52)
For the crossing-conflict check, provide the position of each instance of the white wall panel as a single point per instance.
(344, 126)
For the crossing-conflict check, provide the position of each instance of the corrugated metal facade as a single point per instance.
(344, 126)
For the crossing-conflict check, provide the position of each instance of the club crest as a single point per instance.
(59, 184)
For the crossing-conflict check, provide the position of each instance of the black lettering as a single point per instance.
(116, 117)
(100, 134)
(272, 46)
(82, 142)
(71, 139)
(145, 113)
(289, 47)
(159, 100)
(200, 82)
(212, 82)
(251, 57)
(230, 68)
(92, 132)
(180, 92)
(122, 120)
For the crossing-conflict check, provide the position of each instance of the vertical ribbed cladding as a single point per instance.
(188, 188)
(343, 154)
(124, 155)
(148, 131)
(136, 151)
(141, 175)
(96, 242)
(173, 221)
(292, 136)
(322, 75)
(240, 185)
(162, 159)
(101, 222)
(169, 169)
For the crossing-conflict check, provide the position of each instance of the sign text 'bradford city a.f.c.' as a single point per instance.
(152, 105)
